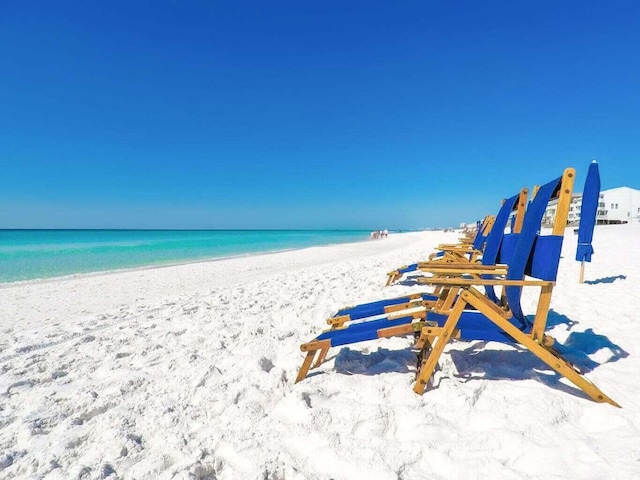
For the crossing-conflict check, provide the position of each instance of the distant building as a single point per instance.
(620, 205)
(616, 205)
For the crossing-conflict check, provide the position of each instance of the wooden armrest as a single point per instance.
(470, 267)
(447, 246)
(464, 282)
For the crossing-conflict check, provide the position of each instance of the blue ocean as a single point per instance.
(32, 254)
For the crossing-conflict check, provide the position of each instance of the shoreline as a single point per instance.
(71, 276)
(97, 292)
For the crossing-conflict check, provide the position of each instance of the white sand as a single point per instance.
(187, 372)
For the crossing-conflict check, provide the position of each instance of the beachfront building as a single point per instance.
(622, 205)
(616, 205)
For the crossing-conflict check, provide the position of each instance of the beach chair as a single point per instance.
(491, 246)
(469, 254)
(467, 245)
(400, 312)
(478, 234)
(526, 254)
(531, 261)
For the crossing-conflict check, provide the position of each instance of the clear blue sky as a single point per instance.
(327, 114)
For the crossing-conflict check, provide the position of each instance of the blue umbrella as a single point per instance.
(590, 199)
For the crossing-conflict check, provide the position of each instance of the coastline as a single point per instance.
(73, 276)
(160, 263)
(106, 290)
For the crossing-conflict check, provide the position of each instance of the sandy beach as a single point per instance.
(187, 372)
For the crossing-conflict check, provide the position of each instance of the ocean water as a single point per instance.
(32, 254)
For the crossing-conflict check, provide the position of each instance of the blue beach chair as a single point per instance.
(399, 312)
(492, 244)
(470, 254)
(525, 254)
(469, 243)
(532, 260)
(467, 248)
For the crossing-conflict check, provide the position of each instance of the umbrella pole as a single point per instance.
(582, 272)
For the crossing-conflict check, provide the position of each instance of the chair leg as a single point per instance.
(312, 348)
(424, 343)
(306, 365)
(429, 365)
(392, 278)
(321, 357)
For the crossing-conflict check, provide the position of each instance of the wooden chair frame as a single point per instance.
(464, 253)
(433, 339)
(458, 291)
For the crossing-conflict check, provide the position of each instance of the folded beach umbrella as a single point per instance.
(590, 198)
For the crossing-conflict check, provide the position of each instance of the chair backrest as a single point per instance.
(530, 253)
(516, 203)
(483, 231)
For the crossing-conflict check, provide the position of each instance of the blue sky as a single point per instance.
(307, 114)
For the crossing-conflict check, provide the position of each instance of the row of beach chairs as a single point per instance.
(476, 292)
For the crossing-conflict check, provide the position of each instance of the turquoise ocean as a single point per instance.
(33, 254)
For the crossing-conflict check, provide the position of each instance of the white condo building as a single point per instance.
(621, 205)
(616, 205)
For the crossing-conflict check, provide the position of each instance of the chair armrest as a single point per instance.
(465, 282)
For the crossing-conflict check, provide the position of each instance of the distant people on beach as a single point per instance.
(379, 234)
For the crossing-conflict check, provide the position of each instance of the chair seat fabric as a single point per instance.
(377, 308)
(474, 325)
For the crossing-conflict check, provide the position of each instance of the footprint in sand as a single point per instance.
(18, 387)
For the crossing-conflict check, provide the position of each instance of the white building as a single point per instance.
(620, 205)
(616, 205)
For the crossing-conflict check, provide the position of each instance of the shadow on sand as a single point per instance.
(374, 363)
(410, 282)
(519, 364)
(554, 319)
(579, 345)
(382, 360)
(606, 280)
(479, 362)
